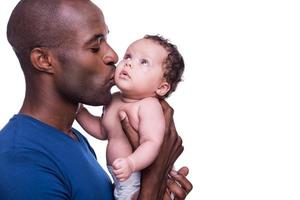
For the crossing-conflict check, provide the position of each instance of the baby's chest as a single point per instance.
(111, 117)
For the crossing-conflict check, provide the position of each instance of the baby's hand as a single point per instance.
(123, 168)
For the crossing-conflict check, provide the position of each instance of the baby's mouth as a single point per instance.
(124, 74)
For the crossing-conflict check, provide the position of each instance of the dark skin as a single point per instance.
(58, 79)
(61, 82)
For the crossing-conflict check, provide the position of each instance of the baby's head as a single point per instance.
(173, 64)
(151, 66)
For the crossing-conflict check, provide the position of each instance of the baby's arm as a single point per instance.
(90, 123)
(151, 130)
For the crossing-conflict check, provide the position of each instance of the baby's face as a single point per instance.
(140, 73)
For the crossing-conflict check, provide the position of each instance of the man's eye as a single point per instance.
(95, 50)
(144, 62)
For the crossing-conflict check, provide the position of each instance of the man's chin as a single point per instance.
(107, 100)
(103, 100)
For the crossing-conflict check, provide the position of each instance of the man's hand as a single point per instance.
(171, 148)
(130, 132)
(154, 177)
(178, 185)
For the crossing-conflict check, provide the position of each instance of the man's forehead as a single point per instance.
(80, 13)
(87, 21)
(96, 36)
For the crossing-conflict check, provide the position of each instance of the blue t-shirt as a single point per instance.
(40, 162)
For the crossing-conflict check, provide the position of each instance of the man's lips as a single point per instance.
(111, 81)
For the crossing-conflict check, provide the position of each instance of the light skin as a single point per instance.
(58, 79)
(139, 76)
(170, 144)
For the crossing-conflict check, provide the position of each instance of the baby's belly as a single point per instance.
(117, 148)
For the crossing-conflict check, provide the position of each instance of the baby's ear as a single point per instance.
(163, 88)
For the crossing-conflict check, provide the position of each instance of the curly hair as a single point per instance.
(174, 64)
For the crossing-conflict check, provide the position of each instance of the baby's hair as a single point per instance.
(174, 64)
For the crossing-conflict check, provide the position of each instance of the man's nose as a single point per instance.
(110, 57)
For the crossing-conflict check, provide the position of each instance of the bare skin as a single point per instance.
(52, 94)
(169, 152)
(58, 79)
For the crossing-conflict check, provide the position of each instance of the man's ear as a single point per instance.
(163, 88)
(41, 59)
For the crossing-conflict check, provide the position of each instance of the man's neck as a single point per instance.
(55, 115)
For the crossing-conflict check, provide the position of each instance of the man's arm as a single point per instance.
(90, 123)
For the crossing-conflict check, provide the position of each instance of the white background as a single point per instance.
(238, 109)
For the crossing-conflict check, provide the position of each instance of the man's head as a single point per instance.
(61, 46)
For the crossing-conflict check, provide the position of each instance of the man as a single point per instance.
(62, 49)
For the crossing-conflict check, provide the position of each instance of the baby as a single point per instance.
(149, 71)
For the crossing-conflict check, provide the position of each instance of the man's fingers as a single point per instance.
(181, 180)
(179, 192)
(165, 106)
(167, 195)
(171, 135)
(177, 150)
(168, 111)
(124, 120)
(183, 171)
(131, 134)
(122, 115)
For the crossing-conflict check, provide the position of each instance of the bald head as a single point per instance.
(41, 23)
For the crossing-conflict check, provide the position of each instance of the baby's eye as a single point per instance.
(127, 56)
(144, 62)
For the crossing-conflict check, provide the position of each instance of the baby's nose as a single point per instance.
(128, 64)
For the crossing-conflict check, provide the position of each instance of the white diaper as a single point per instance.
(126, 189)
